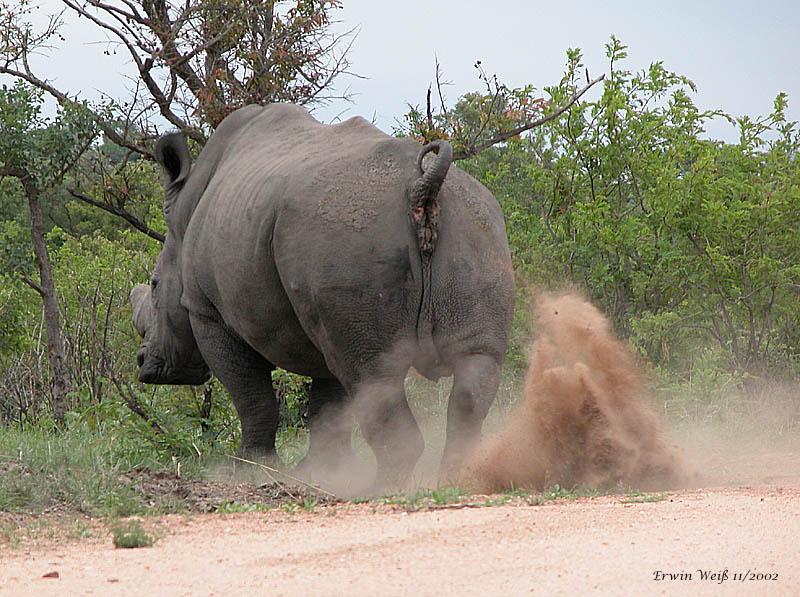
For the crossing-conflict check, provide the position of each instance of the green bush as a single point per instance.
(684, 241)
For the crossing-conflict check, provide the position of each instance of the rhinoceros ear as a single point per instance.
(172, 153)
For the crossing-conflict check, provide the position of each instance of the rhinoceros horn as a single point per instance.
(142, 308)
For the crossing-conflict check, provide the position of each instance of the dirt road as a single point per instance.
(596, 545)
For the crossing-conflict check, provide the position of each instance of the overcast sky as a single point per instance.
(740, 53)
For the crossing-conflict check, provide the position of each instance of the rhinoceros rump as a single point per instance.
(333, 251)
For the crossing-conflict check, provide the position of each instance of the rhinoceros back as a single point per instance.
(309, 222)
(309, 231)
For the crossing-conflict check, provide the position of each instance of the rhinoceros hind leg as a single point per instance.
(475, 383)
(390, 429)
(248, 378)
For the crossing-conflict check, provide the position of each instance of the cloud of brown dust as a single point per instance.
(584, 417)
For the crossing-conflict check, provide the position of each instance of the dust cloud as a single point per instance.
(584, 417)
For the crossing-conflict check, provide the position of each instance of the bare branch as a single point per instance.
(475, 150)
(125, 390)
(120, 212)
(13, 172)
(32, 284)
(64, 100)
(428, 110)
(143, 66)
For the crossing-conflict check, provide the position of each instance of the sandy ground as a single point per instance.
(588, 546)
(734, 531)
(741, 521)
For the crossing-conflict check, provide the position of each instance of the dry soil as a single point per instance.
(611, 545)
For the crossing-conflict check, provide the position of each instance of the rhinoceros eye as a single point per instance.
(153, 283)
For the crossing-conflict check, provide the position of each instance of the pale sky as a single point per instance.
(739, 53)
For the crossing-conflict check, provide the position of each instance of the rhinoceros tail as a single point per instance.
(424, 207)
(425, 217)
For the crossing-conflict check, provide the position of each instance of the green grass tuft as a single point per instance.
(9, 535)
(75, 470)
(637, 497)
(305, 504)
(556, 492)
(427, 498)
(130, 535)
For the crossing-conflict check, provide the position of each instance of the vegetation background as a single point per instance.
(609, 185)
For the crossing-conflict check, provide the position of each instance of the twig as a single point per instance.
(287, 475)
(269, 474)
(429, 111)
(64, 100)
(475, 150)
(29, 281)
(134, 406)
(120, 212)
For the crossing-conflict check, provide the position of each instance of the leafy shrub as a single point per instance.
(686, 242)
(291, 390)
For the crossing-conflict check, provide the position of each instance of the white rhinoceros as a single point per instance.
(336, 252)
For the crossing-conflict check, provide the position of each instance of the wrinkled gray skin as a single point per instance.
(293, 244)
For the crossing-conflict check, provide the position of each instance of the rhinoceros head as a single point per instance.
(168, 353)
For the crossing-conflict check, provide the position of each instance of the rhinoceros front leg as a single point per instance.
(248, 378)
(475, 382)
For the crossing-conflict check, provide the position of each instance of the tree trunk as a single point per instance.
(59, 373)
